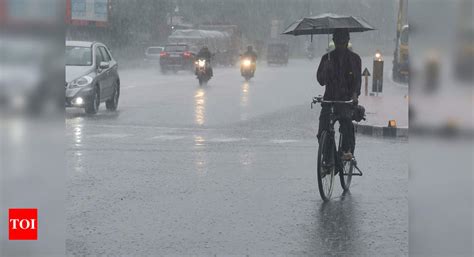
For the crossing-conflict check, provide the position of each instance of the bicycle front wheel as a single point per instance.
(326, 166)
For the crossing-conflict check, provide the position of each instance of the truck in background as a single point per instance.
(230, 56)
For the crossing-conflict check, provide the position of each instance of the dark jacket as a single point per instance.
(250, 54)
(341, 74)
(204, 54)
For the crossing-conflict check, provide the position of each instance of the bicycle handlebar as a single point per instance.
(336, 102)
(319, 99)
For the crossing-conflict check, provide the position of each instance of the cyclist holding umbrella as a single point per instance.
(340, 72)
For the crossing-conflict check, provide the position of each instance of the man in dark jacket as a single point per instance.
(340, 71)
(205, 54)
(250, 54)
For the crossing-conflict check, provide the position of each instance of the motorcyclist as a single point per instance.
(340, 71)
(250, 54)
(205, 54)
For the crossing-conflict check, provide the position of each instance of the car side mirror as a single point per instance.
(104, 65)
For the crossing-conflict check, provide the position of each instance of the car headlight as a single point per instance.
(247, 62)
(81, 82)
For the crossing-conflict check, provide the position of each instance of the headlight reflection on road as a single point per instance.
(200, 106)
(77, 128)
(244, 99)
(199, 141)
(200, 155)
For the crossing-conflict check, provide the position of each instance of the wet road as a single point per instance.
(226, 169)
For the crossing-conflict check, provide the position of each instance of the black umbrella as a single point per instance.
(326, 24)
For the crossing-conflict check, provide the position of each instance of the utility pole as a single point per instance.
(366, 74)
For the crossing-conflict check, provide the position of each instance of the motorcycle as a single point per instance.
(247, 68)
(203, 71)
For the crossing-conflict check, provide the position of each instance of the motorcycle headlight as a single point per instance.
(202, 63)
(81, 82)
(247, 62)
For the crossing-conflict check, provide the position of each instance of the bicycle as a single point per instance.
(329, 158)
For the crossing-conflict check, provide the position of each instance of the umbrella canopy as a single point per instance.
(326, 24)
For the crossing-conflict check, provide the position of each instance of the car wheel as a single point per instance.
(92, 106)
(112, 103)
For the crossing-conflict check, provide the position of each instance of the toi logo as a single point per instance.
(23, 224)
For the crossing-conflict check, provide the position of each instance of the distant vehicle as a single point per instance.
(91, 76)
(176, 57)
(247, 68)
(152, 54)
(278, 53)
(218, 42)
(310, 54)
(27, 76)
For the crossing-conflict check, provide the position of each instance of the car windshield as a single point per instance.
(78, 56)
(175, 48)
(154, 50)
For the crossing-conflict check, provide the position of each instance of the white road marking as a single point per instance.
(283, 141)
(226, 140)
(167, 137)
(108, 135)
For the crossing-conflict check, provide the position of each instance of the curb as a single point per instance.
(377, 131)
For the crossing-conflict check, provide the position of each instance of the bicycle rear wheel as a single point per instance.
(326, 166)
(345, 174)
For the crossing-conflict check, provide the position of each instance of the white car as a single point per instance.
(152, 54)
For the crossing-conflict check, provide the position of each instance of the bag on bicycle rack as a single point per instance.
(359, 113)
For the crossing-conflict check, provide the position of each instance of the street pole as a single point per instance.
(366, 74)
(366, 85)
(377, 80)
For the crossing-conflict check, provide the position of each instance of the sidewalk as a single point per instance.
(391, 104)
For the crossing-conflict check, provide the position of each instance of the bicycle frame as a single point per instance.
(331, 131)
(332, 138)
